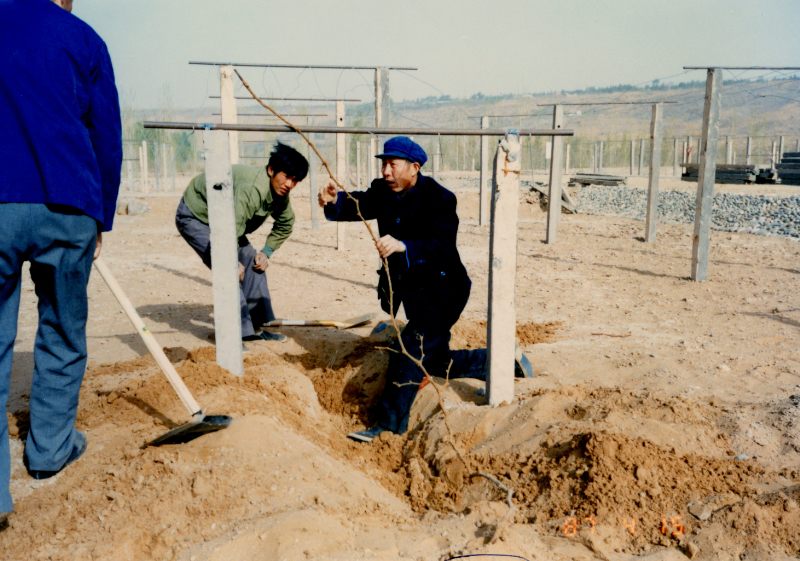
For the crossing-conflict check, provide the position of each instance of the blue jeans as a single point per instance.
(395, 402)
(59, 242)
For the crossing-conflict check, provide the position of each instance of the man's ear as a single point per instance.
(270, 172)
(416, 167)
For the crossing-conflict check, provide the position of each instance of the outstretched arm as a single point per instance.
(341, 207)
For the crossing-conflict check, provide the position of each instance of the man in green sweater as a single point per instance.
(258, 192)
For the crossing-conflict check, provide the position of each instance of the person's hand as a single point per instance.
(328, 193)
(241, 272)
(388, 245)
(261, 262)
(98, 246)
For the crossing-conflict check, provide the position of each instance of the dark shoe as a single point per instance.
(265, 336)
(77, 452)
(4, 521)
(522, 366)
(366, 435)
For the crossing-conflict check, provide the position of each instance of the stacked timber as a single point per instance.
(726, 173)
(788, 171)
(597, 179)
(542, 190)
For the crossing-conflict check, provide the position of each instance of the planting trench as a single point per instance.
(619, 472)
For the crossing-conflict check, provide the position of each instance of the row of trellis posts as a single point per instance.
(221, 150)
(152, 167)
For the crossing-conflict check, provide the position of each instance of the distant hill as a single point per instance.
(762, 109)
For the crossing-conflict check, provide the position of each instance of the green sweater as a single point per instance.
(253, 201)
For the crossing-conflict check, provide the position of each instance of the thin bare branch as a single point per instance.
(417, 361)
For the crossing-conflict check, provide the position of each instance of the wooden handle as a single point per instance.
(302, 323)
(150, 341)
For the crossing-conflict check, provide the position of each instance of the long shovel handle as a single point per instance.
(150, 341)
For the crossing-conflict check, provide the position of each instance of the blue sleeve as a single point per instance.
(105, 131)
(345, 208)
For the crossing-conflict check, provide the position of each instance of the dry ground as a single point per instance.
(646, 386)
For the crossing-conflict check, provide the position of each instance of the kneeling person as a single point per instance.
(418, 225)
(259, 192)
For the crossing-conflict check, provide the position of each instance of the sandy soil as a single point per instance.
(647, 386)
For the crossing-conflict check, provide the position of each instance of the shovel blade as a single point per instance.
(190, 431)
(355, 322)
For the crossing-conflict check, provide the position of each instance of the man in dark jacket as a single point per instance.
(59, 179)
(418, 225)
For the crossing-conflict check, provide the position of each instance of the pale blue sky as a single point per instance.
(460, 48)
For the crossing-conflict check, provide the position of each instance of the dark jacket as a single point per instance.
(59, 112)
(429, 278)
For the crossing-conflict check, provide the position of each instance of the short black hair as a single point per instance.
(289, 161)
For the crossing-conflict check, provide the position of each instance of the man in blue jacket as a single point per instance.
(59, 179)
(418, 225)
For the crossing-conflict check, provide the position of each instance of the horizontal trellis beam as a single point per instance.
(742, 67)
(251, 98)
(299, 65)
(607, 103)
(353, 130)
(265, 114)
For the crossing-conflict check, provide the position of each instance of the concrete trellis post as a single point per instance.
(341, 169)
(706, 175)
(358, 166)
(728, 150)
(780, 149)
(225, 271)
(436, 166)
(688, 149)
(228, 107)
(641, 155)
(633, 154)
(566, 161)
(484, 176)
(312, 182)
(675, 160)
(655, 168)
(145, 182)
(600, 158)
(501, 337)
(381, 97)
(164, 159)
(554, 194)
(129, 169)
(156, 165)
(373, 162)
(749, 151)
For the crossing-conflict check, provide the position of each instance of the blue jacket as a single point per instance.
(59, 112)
(429, 278)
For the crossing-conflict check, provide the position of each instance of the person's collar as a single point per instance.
(414, 188)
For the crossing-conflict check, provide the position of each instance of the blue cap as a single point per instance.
(404, 147)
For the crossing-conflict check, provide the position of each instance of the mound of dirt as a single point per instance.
(470, 334)
(607, 470)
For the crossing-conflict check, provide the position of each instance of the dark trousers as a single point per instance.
(395, 402)
(254, 301)
(59, 242)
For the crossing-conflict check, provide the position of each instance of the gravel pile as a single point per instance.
(754, 214)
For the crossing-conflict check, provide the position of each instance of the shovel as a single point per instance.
(201, 424)
(346, 324)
